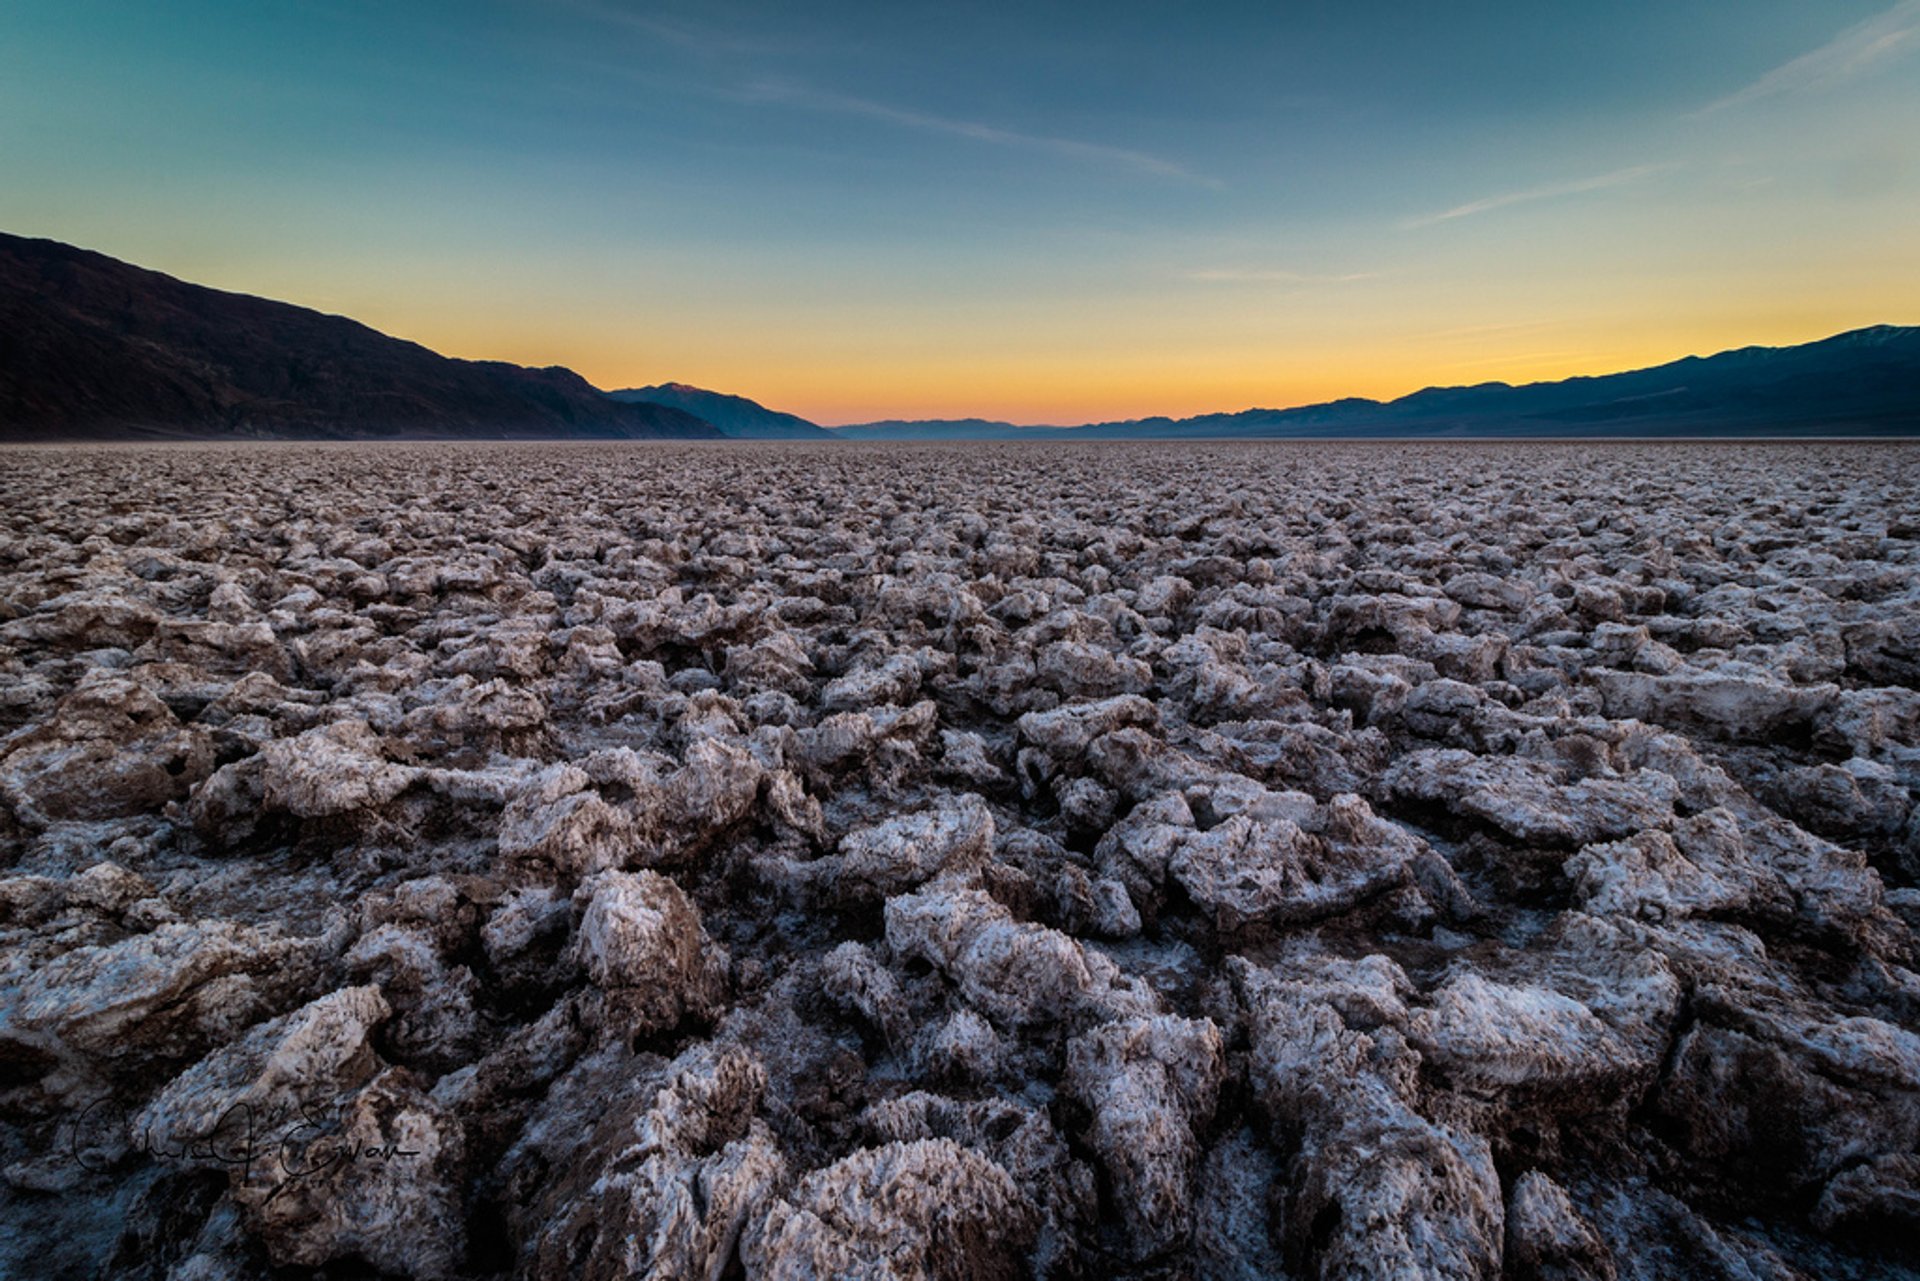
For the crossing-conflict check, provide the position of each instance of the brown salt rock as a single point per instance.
(1081, 670)
(964, 757)
(1233, 1232)
(1066, 732)
(1385, 1193)
(1858, 799)
(1137, 851)
(162, 995)
(84, 619)
(1015, 972)
(1788, 875)
(385, 1187)
(1284, 870)
(1150, 1085)
(350, 1158)
(1378, 1190)
(662, 1187)
(641, 943)
(1023, 1142)
(559, 822)
(961, 1048)
(335, 769)
(1528, 800)
(894, 680)
(232, 647)
(778, 661)
(1547, 1239)
(467, 715)
(1881, 1194)
(852, 977)
(110, 749)
(850, 741)
(1737, 702)
(1574, 1023)
(872, 863)
(925, 1210)
(435, 1024)
(714, 789)
(308, 1058)
(1774, 1077)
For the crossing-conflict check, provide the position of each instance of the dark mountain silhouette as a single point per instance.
(94, 347)
(91, 347)
(1864, 383)
(736, 416)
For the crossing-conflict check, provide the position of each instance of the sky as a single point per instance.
(1040, 212)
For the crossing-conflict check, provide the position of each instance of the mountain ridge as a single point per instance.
(95, 348)
(735, 416)
(1802, 389)
(92, 347)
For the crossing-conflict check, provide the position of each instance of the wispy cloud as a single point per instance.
(1072, 148)
(1241, 276)
(1855, 51)
(699, 38)
(714, 42)
(1602, 182)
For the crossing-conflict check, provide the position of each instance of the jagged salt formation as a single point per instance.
(1458, 861)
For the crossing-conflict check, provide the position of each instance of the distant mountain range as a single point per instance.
(91, 347)
(737, 416)
(1864, 383)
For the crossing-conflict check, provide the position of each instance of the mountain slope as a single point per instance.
(1865, 382)
(734, 415)
(94, 347)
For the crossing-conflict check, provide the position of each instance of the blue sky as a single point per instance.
(1045, 212)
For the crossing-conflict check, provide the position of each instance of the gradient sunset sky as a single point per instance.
(1042, 212)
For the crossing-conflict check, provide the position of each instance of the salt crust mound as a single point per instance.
(1173, 861)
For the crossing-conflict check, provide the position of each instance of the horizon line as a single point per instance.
(1271, 409)
(993, 422)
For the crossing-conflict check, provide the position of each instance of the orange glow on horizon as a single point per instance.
(1131, 385)
(852, 220)
(1147, 346)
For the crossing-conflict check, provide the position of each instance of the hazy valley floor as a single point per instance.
(1307, 860)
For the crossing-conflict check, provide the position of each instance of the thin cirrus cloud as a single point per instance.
(693, 37)
(1554, 191)
(1142, 162)
(1854, 52)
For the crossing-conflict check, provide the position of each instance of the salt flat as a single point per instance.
(1358, 860)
